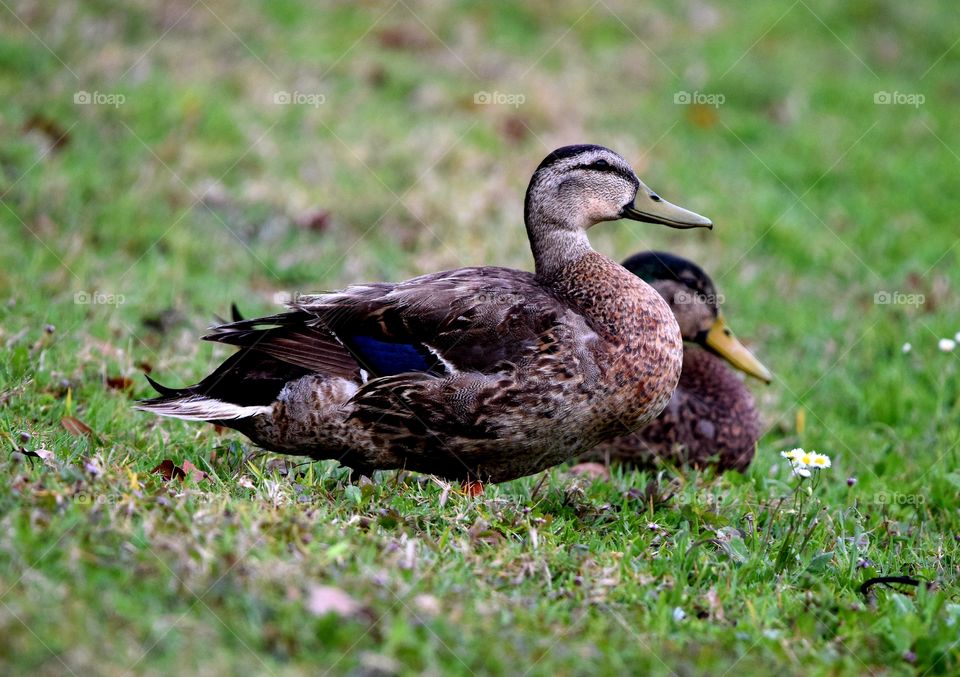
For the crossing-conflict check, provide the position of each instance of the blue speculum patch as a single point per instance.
(385, 358)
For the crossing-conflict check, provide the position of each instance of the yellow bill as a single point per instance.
(722, 341)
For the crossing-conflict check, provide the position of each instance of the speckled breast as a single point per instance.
(640, 352)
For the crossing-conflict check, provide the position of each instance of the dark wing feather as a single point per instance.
(464, 320)
(288, 337)
(469, 319)
(246, 378)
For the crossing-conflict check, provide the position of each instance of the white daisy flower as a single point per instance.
(947, 345)
(907, 347)
(793, 455)
(819, 460)
(803, 462)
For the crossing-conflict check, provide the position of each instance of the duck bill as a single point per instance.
(721, 340)
(651, 208)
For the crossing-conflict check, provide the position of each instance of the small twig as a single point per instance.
(536, 489)
(886, 580)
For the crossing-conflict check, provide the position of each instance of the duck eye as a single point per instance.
(600, 164)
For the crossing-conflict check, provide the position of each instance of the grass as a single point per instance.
(124, 228)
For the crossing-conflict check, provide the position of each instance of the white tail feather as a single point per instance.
(199, 408)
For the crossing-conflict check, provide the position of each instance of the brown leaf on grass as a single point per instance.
(75, 426)
(702, 115)
(119, 382)
(472, 488)
(316, 221)
(326, 599)
(193, 472)
(54, 132)
(514, 129)
(406, 38)
(168, 470)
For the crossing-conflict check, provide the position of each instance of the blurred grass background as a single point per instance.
(185, 183)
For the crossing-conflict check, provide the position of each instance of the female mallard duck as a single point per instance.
(711, 418)
(471, 374)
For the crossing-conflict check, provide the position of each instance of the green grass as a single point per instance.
(198, 190)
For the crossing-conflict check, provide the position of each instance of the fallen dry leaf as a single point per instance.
(119, 382)
(326, 599)
(702, 115)
(75, 426)
(406, 38)
(54, 132)
(472, 488)
(168, 470)
(193, 472)
(316, 221)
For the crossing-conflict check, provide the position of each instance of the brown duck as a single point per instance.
(471, 374)
(711, 418)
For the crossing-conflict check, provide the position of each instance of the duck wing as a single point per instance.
(464, 320)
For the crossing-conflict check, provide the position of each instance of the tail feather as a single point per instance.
(290, 337)
(274, 351)
(200, 408)
(162, 389)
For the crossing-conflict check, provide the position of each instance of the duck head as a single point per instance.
(576, 187)
(692, 297)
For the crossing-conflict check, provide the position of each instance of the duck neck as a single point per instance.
(556, 237)
(555, 248)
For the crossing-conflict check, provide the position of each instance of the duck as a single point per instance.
(478, 374)
(711, 419)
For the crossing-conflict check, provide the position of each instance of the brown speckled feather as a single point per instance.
(711, 420)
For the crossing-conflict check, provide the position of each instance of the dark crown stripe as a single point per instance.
(568, 152)
(654, 266)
